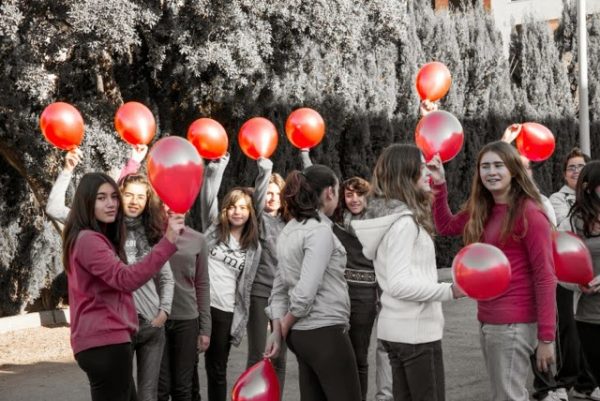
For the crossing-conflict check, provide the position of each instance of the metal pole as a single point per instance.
(584, 112)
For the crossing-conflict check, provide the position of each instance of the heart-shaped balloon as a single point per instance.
(439, 132)
(258, 383)
(175, 171)
(258, 138)
(305, 128)
(209, 138)
(135, 123)
(482, 271)
(62, 125)
(572, 259)
(535, 142)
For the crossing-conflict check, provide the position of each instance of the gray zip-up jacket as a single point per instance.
(213, 176)
(310, 282)
(562, 202)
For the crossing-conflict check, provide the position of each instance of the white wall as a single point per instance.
(509, 13)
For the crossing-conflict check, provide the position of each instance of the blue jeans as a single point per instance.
(148, 345)
(417, 370)
(506, 351)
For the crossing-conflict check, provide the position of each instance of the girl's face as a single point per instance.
(134, 199)
(107, 204)
(494, 174)
(273, 201)
(329, 199)
(574, 167)
(238, 213)
(424, 181)
(354, 202)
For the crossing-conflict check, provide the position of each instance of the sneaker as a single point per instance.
(551, 396)
(561, 394)
(594, 395)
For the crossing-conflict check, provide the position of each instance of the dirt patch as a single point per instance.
(41, 344)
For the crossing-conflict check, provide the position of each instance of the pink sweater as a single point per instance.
(100, 285)
(531, 294)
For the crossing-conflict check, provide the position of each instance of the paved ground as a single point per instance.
(61, 379)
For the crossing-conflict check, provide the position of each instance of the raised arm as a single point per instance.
(56, 207)
(305, 156)
(138, 152)
(209, 202)
(261, 184)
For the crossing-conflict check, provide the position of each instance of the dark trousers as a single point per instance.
(363, 310)
(326, 364)
(589, 334)
(108, 369)
(572, 368)
(179, 356)
(217, 355)
(257, 338)
(417, 371)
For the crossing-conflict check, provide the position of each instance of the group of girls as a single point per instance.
(313, 269)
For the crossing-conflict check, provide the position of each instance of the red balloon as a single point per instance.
(175, 172)
(439, 132)
(209, 138)
(135, 123)
(535, 142)
(258, 138)
(62, 125)
(305, 128)
(433, 81)
(572, 259)
(257, 383)
(482, 271)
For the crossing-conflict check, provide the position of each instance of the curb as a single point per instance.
(32, 320)
(61, 316)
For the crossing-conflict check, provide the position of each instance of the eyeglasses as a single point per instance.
(574, 168)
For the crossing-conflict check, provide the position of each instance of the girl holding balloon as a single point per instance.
(234, 253)
(267, 201)
(504, 209)
(103, 314)
(309, 305)
(585, 221)
(410, 323)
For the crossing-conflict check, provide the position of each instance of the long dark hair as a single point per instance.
(359, 185)
(153, 217)
(481, 201)
(396, 175)
(83, 217)
(587, 201)
(249, 236)
(302, 191)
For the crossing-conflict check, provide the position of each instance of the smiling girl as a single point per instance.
(504, 209)
(234, 251)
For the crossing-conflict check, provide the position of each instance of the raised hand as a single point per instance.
(138, 152)
(436, 167)
(72, 159)
(511, 133)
